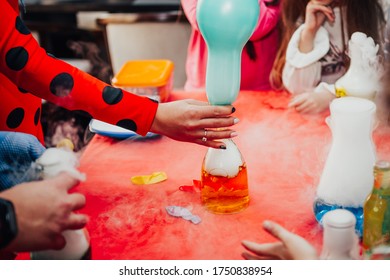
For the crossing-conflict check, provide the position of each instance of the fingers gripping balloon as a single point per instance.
(226, 25)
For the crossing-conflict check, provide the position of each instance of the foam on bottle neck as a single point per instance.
(224, 163)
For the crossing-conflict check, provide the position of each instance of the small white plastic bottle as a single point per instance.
(340, 241)
(52, 162)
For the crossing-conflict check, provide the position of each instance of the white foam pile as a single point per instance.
(224, 163)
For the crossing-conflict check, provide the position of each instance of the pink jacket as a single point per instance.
(254, 74)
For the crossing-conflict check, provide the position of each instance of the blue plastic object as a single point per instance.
(320, 208)
(109, 130)
(226, 26)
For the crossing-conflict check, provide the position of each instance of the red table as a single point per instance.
(284, 151)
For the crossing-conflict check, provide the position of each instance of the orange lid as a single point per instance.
(142, 73)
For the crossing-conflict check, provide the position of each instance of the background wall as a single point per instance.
(149, 40)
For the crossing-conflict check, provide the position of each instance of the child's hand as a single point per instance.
(313, 102)
(317, 11)
(290, 246)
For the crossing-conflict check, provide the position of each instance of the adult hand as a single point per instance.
(313, 102)
(194, 121)
(44, 209)
(290, 246)
(17, 152)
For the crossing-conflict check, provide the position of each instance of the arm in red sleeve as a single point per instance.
(27, 65)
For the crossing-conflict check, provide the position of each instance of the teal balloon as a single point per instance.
(226, 26)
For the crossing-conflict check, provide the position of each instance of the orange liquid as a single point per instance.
(222, 195)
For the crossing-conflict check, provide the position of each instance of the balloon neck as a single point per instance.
(223, 77)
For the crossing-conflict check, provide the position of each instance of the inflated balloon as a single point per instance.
(226, 26)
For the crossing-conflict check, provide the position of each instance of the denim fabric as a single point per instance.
(17, 152)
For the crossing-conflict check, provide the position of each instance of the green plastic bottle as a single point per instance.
(376, 225)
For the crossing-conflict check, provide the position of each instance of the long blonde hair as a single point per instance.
(361, 15)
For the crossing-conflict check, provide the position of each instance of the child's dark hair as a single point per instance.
(269, 3)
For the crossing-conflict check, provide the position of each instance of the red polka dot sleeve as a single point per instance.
(28, 66)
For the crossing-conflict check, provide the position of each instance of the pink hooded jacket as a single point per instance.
(254, 74)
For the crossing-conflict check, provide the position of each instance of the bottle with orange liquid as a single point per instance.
(224, 180)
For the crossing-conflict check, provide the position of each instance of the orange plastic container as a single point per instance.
(152, 78)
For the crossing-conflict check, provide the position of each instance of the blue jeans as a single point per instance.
(17, 152)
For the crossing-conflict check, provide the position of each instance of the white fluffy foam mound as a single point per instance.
(56, 160)
(224, 163)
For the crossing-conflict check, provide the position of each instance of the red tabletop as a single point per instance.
(284, 151)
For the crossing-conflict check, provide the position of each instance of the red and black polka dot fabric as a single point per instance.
(28, 74)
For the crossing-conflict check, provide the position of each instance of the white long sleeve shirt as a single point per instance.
(319, 69)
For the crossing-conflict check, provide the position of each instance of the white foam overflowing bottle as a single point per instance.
(363, 76)
(224, 180)
(347, 176)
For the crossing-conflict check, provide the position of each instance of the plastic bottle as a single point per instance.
(340, 240)
(376, 225)
(224, 180)
(77, 247)
(52, 162)
(362, 78)
(347, 177)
